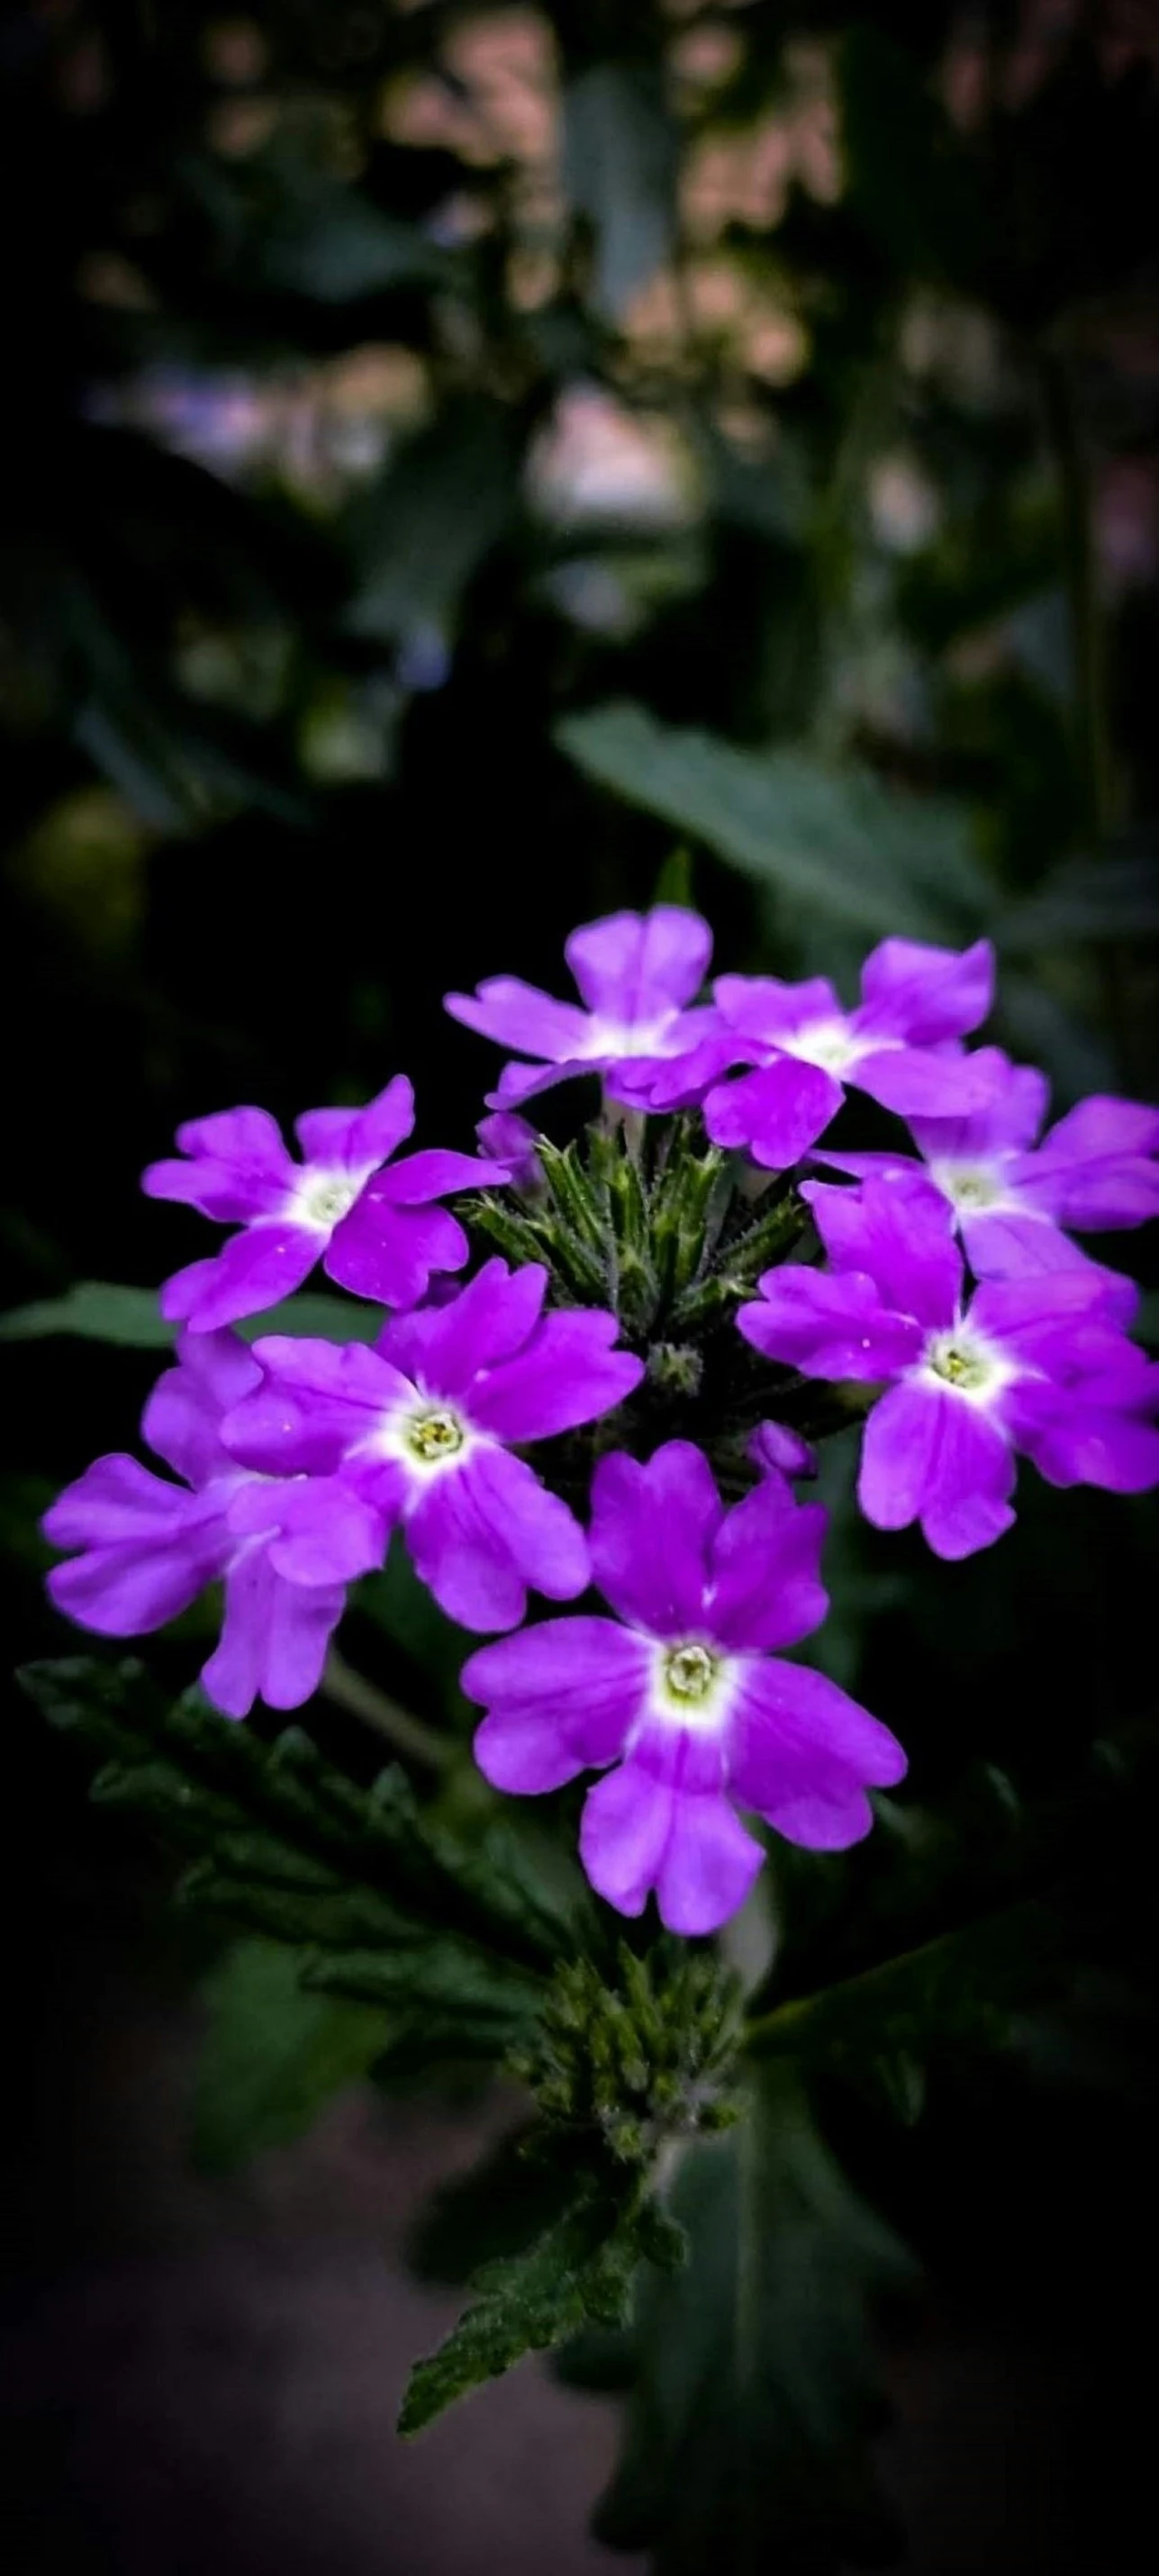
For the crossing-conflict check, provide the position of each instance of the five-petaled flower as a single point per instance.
(1096, 1169)
(418, 1431)
(637, 973)
(372, 1223)
(900, 1046)
(689, 1698)
(1039, 1364)
(144, 1548)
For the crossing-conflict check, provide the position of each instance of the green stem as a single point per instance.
(351, 1691)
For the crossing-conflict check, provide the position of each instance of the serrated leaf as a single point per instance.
(754, 2373)
(98, 1310)
(621, 162)
(826, 838)
(579, 2273)
(396, 1912)
(493, 2211)
(272, 2056)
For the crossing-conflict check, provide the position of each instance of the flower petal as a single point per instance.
(317, 1529)
(567, 1374)
(900, 1230)
(434, 1172)
(584, 1681)
(929, 1454)
(479, 1536)
(252, 1271)
(1018, 1097)
(775, 1114)
(182, 1420)
(274, 1637)
(829, 1324)
(519, 1016)
(478, 1329)
(633, 966)
(387, 1253)
(770, 1012)
(651, 1527)
(765, 1584)
(148, 1548)
(918, 1083)
(639, 1832)
(922, 994)
(317, 1401)
(791, 1727)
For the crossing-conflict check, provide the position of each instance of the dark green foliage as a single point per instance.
(273, 2055)
(579, 2273)
(626, 2060)
(96, 1310)
(387, 1908)
(755, 2385)
(821, 835)
(633, 2060)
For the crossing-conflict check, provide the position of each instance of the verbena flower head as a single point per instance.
(1097, 1169)
(145, 1548)
(419, 1431)
(1039, 1364)
(375, 1230)
(899, 1046)
(683, 1699)
(637, 973)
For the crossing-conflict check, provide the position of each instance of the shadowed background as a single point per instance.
(462, 470)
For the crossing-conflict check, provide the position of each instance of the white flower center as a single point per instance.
(434, 1435)
(961, 1359)
(828, 1044)
(692, 1685)
(971, 1186)
(645, 1037)
(325, 1198)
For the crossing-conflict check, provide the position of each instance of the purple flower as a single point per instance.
(636, 973)
(1097, 1168)
(777, 1451)
(900, 1046)
(418, 1430)
(689, 1698)
(507, 1138)
(1039, 1364)
(146, 1548)
(375, 1231)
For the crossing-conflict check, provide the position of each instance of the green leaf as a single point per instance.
(579, 2273)
(755, 2385)
(273, 2055)
(621, 162)
(964, 1987)
(418, 538)
(826, 838)
(492, 2212)
(388, 1908)
(96, 1310)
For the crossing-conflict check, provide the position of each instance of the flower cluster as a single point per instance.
(678, 1308)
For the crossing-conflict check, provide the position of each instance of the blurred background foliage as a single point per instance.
(464, 467)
